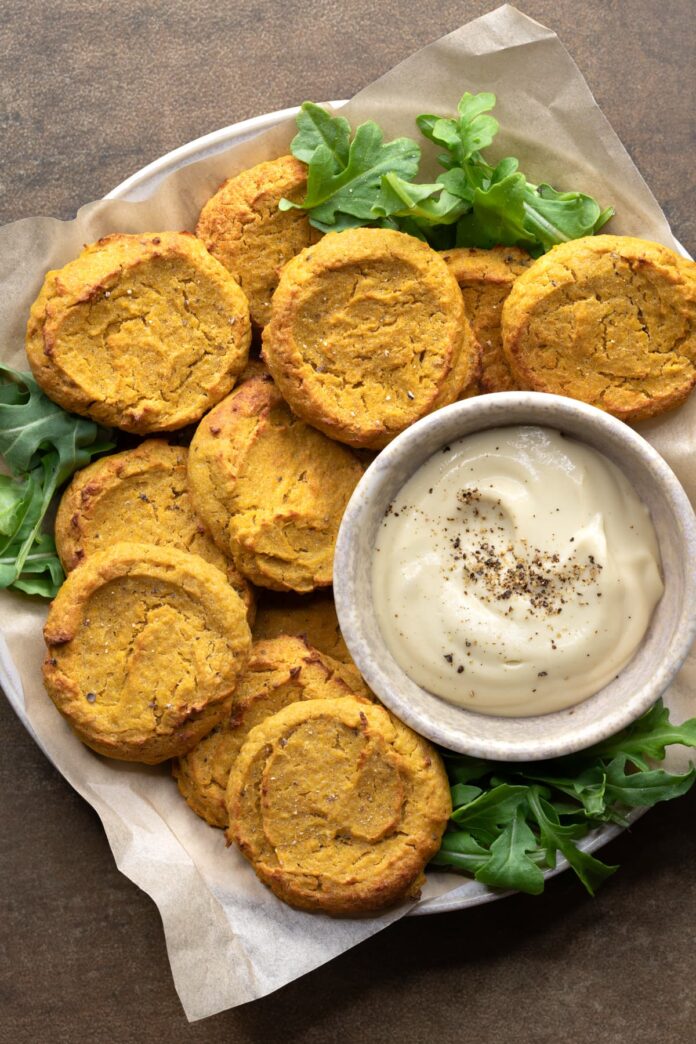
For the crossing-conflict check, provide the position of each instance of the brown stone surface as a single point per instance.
(88, 93)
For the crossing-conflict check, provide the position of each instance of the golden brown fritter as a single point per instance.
(271, 489)
(243, 228)
(485, 279)
(255, 367)
(368, 334)
(338, 806)
(143, 332)
(140, 493)
(145, 645)
(280, 671)
(610, 320)
(312, 617)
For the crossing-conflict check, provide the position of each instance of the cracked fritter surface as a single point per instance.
(312, 617)
(368, 334)
(137, 493)
(144, 648)
(142, 332)
(485, 279)
(610, 320)
(243, 228)
(271, 489)
(280, 671)
(338, 806)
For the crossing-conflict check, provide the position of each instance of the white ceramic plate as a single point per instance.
(141, 185)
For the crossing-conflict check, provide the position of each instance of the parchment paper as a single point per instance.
(229, 940)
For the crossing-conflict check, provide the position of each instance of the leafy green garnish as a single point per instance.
(511, 819)
(368, 182)
(344, 177)
(510, 863)
(42, 446)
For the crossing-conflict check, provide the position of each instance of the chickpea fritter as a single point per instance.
(144, 648)
(243, 228)
(142, 332)
(312, 617)
(368, 334)
(610, 320)
(338, 806)
(270, 488)
(485, 279)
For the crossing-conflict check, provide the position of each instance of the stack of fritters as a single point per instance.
(280, 671)
(337, 805)
(140, 494)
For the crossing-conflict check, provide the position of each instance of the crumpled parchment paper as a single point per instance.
(229, 939)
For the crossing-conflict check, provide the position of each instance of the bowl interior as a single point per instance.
(666, 643)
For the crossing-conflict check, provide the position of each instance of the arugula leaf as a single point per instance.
(466, 136)
(344, 179)
(511, 819)
(463, 794)
(647, 738)
(42, 446)
(429, 212)
(317, 127)
(464, 842)
(497, 216)
(556, 217)
(461, 850)
(558, 838)
(31, 422)
(10, 505)
(640, 789)
(510, 865)
(41, 560)
(484, 815)
(588, 787)
(462, 769)
(369, 182)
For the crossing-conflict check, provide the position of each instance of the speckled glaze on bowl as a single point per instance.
(668, 639)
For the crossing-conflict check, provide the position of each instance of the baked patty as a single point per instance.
(243, 228)
(312, 617)
(144, 648)
(142, 332)
(338, 806)
(368, 334)
(485, 279)
(610, 320)
(270, 488)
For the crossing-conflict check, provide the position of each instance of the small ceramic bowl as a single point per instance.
(669, 637)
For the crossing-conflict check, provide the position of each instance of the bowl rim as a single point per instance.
(368, 648)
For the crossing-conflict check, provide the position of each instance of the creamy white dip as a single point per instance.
(516, 572)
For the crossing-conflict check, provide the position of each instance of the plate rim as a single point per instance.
(214, 141)
(130, 189)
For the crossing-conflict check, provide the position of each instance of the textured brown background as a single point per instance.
(89, 92)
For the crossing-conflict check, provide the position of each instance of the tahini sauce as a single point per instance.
(516, 572)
